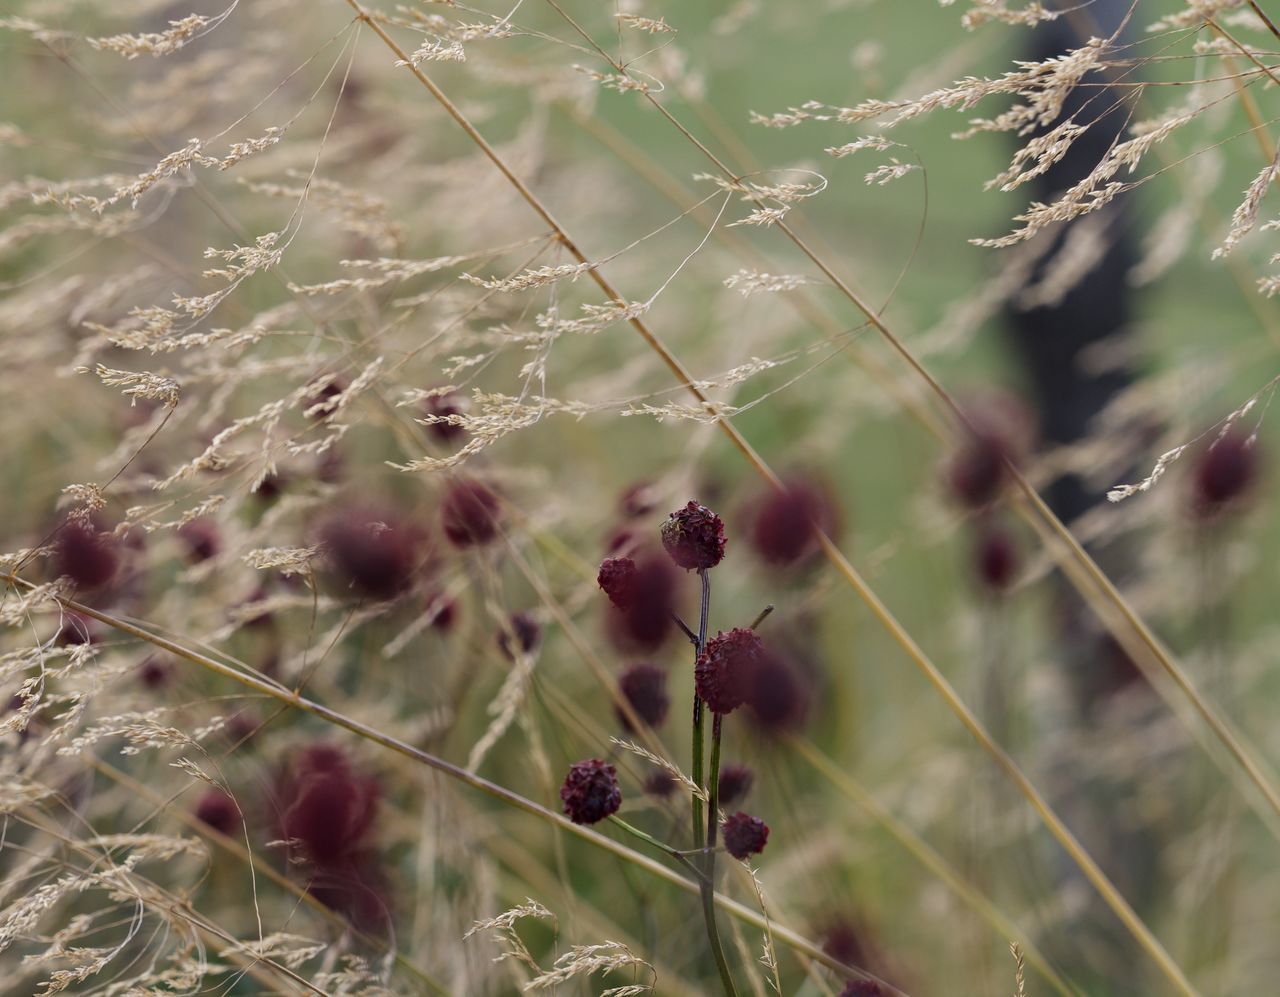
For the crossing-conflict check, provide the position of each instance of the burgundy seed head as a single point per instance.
(85, 555)
(995, 558)
(522, 631)
(622, 542)
(328, 807)
(779, 696)
(646, 622)
(645, 688)
(470, 514)
(154, 673)
(734, 784)
(976, 472)
(219, 811)
(660, 784)
(441, 407)
(1223, 473)
(200, 537)
(374, 555)
(725, 673)
(590, 791)
(638, 500)
(861, 988)
(694, 537)
(784, 528)
(744, 835)
(617, 577)
(272, 486)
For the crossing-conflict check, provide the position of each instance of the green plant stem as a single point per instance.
(701, 834)
(713, 796)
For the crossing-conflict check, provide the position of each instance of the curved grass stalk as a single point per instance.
(931, 860)
(793, 939)
(1246, 757)
(234, 847)
(1141, 933)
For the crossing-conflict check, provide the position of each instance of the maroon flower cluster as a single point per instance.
(200, 538)
(470, 514)
(861, 988)
(88, 556)
(645, 620)
(976, 473)
(995, 558)
(725, 673)
(219, 811)
(617, 578)
(1223, 474)
(590, 792)
(734, 784)
(645, 688)
(519, 634)
(441, 407)
(694, 537)
(373, 553)
(785, 524)
(744, 835)
(328, 808)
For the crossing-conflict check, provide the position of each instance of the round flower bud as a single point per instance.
(371, 553)
(470, 514)
(1223, 473)
(734, 784)
(590, 791)
(785, 524)
(725, 673)
(995, 558)
(519, 634)
(744, 835)
(618, 579)
(441, 407)
(645, 689)
(85, 555)
(218, 811)
(694, 537)
(200, 538)
(976, 472)
(660, 784)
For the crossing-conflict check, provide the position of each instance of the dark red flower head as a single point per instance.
(785, 524)
(660, 784)
(328, 807)
(219, 811)
(200, 538)
(441, 407)
(861, 988)
(694, 537)
(725, 673)
(590, 791)
(86, 555)
(617, 578)
(734, 784)
(995, 558)
(373, 553)
(780, 695)
(1223, 473)
(154, 673)
(470, 514)
(521, 631)
(976, 472)
(645, 689)
(646, 621)
(744, 835)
